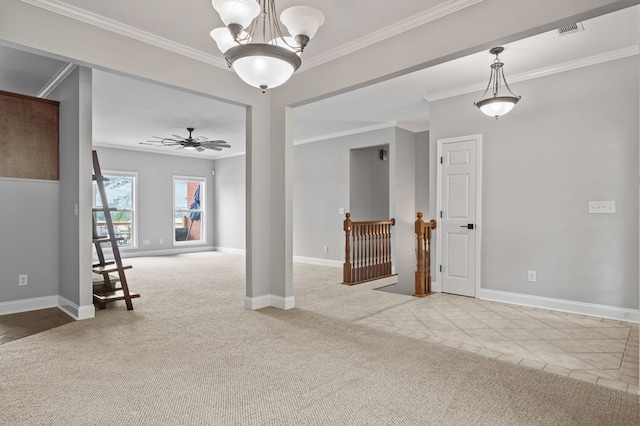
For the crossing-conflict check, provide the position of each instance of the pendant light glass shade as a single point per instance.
(498, 104)
(240, 12)
(302, 20)
(223, 38)
(496, 107)
(263, 65)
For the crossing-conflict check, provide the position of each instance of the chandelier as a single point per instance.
(498, 104)
(254, 44)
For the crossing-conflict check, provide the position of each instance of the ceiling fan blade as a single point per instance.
(219, 143)
(216, 148)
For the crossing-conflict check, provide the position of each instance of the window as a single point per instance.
(120, 191)
(188, 210)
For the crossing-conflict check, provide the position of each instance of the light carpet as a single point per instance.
(190, 354)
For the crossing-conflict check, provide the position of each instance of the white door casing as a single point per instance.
(459, 204)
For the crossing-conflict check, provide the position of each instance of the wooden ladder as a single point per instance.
(107, 290)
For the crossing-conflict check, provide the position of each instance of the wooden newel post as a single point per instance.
(430, 225)
(423, 267)
(420, 279)
(346, 269)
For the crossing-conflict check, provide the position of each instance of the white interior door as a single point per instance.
(459, 205)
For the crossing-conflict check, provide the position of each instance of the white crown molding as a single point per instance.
(398, 124)
(420, 19)
(56, 80)
(542, 72)
(82, 15)
(159, 150)
(126, 30)
(345, 133)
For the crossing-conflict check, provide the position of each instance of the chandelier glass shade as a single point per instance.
(254, 44)
(497, 104)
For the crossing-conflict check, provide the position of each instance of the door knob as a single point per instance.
(468, 226)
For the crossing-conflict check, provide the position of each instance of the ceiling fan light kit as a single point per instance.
(190, 143)
(255, 46)
(497, 104)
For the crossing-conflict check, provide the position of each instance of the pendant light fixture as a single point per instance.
(498, 104)
(255, 46)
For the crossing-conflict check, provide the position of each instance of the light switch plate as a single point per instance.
(602, 206)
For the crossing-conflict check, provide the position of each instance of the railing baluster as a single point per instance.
(367, 250)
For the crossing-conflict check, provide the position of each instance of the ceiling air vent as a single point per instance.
(570, 29)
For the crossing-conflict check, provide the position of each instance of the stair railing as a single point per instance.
(367, 250)
(423, 253)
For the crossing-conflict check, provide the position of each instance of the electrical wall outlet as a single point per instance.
(145, 242)
(161, 241)
(531, 276)
(602, 207)
(23, 279)
(325, 249)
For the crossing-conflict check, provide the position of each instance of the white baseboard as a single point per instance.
(36, 303)
(379, 283)
(283, 302)
(318, 261)
(230, 250)
(26, 305)
(255, 303)
(75, 311)
(165, 252)
(589, 309)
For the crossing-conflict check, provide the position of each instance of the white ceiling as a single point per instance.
(128, 111)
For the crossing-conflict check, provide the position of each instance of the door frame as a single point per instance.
(478, 227)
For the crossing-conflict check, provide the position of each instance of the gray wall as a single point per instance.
(369, 184)
(230, 204)
(74, 94)
(422, 175)
(155, 194)
(572, 139)
(29, 243)
(403, 208)
(321, 187)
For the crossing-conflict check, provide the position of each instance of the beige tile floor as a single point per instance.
(596, 350)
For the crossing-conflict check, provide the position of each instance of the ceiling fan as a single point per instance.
(199, 143)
